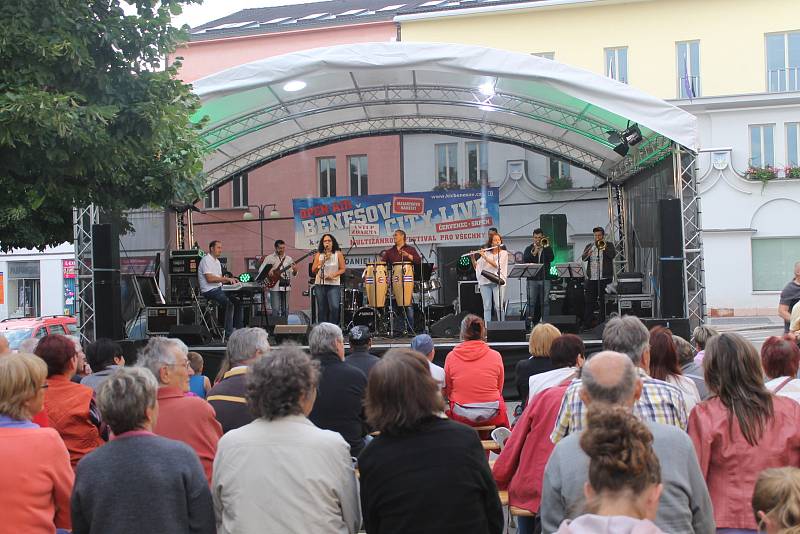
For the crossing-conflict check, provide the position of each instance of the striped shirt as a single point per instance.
(660, 402)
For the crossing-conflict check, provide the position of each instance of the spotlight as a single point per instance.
(294, 85)
(632, 135)
(487, 89)
(244, 277)
(613, 137)
(621, 149)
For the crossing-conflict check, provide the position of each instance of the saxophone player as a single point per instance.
(599, 256)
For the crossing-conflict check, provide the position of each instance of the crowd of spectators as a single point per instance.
(652, 434)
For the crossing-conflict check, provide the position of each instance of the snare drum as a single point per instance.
(376, 284)
(403, 282)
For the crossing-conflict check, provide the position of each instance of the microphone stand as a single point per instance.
(342, 303)
(422, 287)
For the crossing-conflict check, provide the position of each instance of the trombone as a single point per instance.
(545, 242)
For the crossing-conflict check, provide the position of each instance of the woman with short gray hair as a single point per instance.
(165, 487)
(281, 391)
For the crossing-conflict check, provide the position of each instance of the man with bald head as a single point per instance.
(609, 379)
(660, 402)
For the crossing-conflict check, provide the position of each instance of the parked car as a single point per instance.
(17, 330)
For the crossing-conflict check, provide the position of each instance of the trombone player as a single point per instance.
(599, 256)
(538, 286)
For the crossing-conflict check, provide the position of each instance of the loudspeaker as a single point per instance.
(438, 311)
(567, 324)
(191, 334)
(107, 305)
(679, 327)
(105, 247)
(671, 228)
(469, 297)
(505, 331)
(672, 297)
(449, 273)
(671, 258)
(297, 333)
(448, 326)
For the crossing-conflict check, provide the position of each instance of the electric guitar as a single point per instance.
(275, 274)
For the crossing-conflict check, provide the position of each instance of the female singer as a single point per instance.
(328, 267)
(493, 260)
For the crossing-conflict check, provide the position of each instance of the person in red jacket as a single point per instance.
(189, 419)
(70, 407)
(35, 473)
(474, 377)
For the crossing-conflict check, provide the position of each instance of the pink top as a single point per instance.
(730, 465)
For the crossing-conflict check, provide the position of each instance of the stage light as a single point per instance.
(621, 149)
(632, 135)
(487, 89)
(274, 214)
(613, 137)
(244, 277)
(294, 85)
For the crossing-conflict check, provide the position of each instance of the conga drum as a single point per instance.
(403, 282)
(376, 284)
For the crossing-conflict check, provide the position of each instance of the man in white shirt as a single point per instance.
(209, 275)
(424, 345)
(279, 295)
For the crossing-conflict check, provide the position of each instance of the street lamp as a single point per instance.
(273, 214)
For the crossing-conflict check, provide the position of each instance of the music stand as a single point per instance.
(525, 270)
(570, 270)
(263, 271)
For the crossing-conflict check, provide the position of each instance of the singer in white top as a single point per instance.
(491, 270)
(328, 268)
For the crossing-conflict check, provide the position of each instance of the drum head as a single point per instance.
(365, 317)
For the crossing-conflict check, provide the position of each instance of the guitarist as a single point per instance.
(279, 293)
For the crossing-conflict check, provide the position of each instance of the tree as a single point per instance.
(89, 114)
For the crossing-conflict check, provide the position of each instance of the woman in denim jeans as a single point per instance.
(328, 268)
(492, 260)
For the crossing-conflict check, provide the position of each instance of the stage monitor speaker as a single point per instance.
(191, 334)
(505, 331)
(469, 297)
(680, 327)
(296, 333)
(567, 324)
(448, 326)
(554, 226)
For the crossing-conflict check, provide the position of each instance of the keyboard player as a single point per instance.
(209, 275)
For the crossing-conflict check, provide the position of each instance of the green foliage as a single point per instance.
(88, 114)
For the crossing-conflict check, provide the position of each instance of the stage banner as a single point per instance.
(455, 217)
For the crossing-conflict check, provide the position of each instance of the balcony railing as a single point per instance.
(783, 80)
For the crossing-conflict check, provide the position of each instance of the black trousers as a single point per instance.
(591, 299)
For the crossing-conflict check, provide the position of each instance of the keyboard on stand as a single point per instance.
(243, 286)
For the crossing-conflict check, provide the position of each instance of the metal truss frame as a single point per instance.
(686, 189)
(618, 217)
(83, 219)
(403, 124)
(375, 122)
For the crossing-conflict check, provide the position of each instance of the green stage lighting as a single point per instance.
(244, 277)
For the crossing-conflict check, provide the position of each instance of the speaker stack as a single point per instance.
(671, 260)
(106, 277)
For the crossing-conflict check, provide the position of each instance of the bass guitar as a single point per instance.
(275, 274)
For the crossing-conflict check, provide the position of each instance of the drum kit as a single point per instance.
(388, 287)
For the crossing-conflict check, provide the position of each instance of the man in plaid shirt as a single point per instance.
(660, 402)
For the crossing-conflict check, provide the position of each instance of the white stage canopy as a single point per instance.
(261, 111)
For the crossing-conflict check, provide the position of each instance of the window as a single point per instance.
(327, 176)
(477, 163)
(546, 55)
(617, 64)
(783, 62)
(688, 60)
(762, 147)
(446, 164)
(212, 198)
(358, 175)
(239, 191)
(793, 144)
(773, 262)
(559, 169)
